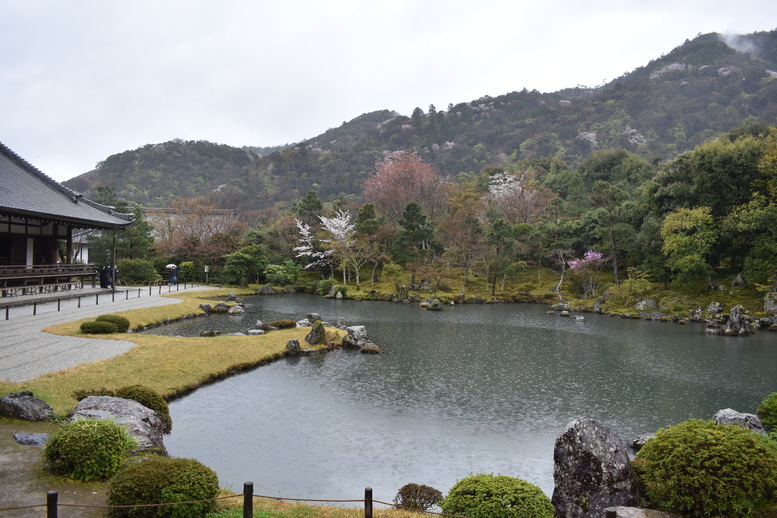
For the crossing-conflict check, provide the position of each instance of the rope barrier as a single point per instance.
(277, 498)
(284, 499)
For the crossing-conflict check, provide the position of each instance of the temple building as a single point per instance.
(37, 218)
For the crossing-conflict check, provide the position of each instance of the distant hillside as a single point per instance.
(694, 93)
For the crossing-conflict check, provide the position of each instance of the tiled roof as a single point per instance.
(25, 191)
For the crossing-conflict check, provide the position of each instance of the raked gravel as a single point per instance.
(26, 351)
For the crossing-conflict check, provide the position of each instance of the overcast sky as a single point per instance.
(81, 80)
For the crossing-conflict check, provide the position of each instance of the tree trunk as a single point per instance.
(374, 270)
(614, 250)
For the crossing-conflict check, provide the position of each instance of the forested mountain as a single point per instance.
(691, 95)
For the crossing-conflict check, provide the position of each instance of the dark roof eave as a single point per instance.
(73, 222)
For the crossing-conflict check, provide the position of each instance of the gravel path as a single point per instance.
(27, 352)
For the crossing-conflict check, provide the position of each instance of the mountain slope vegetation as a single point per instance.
(693, 94)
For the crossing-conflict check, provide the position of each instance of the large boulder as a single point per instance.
(23, 405)
(293, 347)
(140, 421)
(591, 471)
(730, 416)
(237, 310)
(356, 337)
(266, 290)
(737, 325)
(770, 303)
(646, 305)
(317, 334)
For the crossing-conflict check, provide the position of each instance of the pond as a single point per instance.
(471, 389)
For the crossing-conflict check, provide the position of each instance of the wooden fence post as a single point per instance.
(51, 504)
(367, 502)
(248, 500)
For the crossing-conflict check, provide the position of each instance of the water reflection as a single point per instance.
(471, 389)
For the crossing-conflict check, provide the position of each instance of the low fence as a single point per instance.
(98, 296)
(52, 504)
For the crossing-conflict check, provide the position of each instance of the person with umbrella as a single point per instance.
(173, 273)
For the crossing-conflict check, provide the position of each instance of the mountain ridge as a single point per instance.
(695, 92)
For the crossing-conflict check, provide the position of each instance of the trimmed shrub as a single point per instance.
(418, 496)
(323, 286)
(159, 480)
(767, 411)
(699, 468)
(188, 272)
(137, 271)
(497, 496)
(98, 328)
(121, 323)
(150, 399)
(284, 324)
(87, 449)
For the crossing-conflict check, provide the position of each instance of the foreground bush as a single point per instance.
(418, 496)
(702, 469)
(98, 328)
(497, 496)
(767, 411)
(87, 449)
(163, 480)
(121, 323)
(149, 399)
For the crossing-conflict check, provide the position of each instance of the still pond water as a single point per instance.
(471, 389)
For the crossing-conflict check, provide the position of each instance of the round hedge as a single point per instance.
(87, 449)
(497, 496)
(121, 323)
(149, 399)
(699, 468)
(98, 328)
(160, 480)
(767, 411)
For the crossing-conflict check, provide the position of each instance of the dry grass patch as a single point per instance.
(172, 366)
(271, 508)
